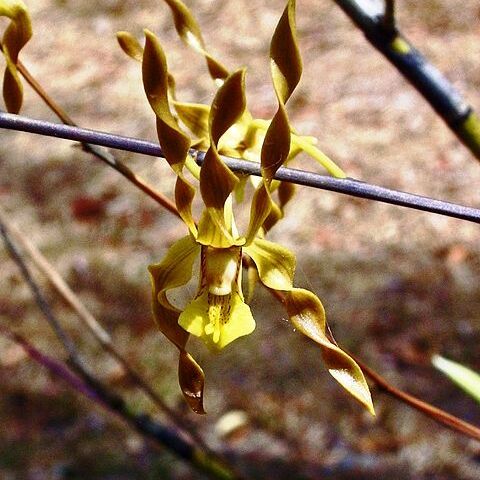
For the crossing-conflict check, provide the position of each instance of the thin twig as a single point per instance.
(86, 384)
(61, 334)
(201, 457)
(427, 79)
(440, 416)
(98, 152)
(86, 317)
(346, 186)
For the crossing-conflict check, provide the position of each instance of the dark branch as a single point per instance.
(426, 78)
(347, 186)
(80, 378)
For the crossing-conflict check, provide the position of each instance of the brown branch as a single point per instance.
(102, 154)
(81, 380)
(95, 328)
(437, 414)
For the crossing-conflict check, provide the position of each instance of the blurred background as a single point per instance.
(398, 285)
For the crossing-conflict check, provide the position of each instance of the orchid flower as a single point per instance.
(218, 314)
(16, 35)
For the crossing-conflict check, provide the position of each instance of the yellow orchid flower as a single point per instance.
(17, 34)
(218, 314)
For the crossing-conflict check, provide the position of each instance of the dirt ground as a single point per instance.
(398, 285)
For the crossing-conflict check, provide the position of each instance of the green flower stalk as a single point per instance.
(16, 35)
(218, 314)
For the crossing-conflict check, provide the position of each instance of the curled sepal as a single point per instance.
(17, 34)
(307, 315)
(286, 69)
(275, 264)
(192, 381)
(173, 271)
(304, 144)
(189, 31)
(130, 45)
(184, 194)
(217, 181)
(260, 209)
(285, 191)
(174, 142)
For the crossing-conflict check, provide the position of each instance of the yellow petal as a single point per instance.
(215, 232)
(184, 194)
(286, 62)
(220, 269)
(260, 208)
(189, 31)
(306, 146)
(217, 320)
(275, 264)
(194, 116)
(307, 315)
(174, 270)
(17, 34)
(217, 181)
(130, 45)
(192, 381)
(286, 68)
(174, 142)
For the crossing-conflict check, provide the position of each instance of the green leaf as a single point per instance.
(464, 377)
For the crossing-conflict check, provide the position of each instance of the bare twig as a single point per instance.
(62, 336)
(95, 150)
(86, 384)
(427, 79)
(200, 455)
(86, 317)
(440, 416)
(347, 186)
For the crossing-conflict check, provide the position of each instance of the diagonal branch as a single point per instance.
(381, 31)
(437, 414)
(440, 416)
(86, 384)
(10, 231)
(100, 153)
(346, 186)
(199, 455)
